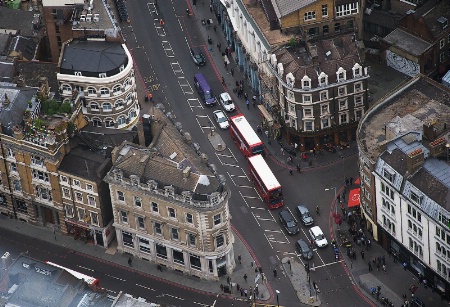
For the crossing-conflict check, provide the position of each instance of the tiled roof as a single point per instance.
(396, 159)
(32, 71)
(286, 7)
(6, 71)
(25, 45)
(17, 20)
(407, 42)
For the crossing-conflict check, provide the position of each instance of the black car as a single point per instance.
(289, 222)
(198, 57)
(304, 249)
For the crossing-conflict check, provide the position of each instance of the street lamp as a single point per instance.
(210, 127)
(448, 147)
(343, 165)
(328, 189)
(278, 302)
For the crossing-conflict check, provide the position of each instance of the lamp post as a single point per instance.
(278, 302)
(210, 127)
(448, 147)
(343, 165)
(328, 189)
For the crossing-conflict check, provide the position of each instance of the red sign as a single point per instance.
(353, 199)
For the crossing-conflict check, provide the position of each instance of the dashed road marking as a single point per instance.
(145, 287)
(115, 277)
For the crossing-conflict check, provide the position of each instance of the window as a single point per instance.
(96, 122)
(13, 167)
(66, 193)
(347, 9)
(17, 185)
(337, 27)
(35, 160)
(342, 91)
(102, 75)
(69, 210)
(144, 245)
(67, 89)
(91, 201)
(154, 207)
(292, 108)
(89, 187)
(120, 196)
(157, 228)
(21, 206)
(313, 31)
(81, 214)
(132, 114)
(189, 218)
(325, 122)
(76, 182)
(441, 43)
(141, 222)
(343, 105)
(217, 219)
(357, 86)
(178, 257)
(43, 193)
(388, 176)
(107, 106)
(39, 175)
(122, 120)
(310, 15)
(442, 57)
(324, 10)
(195, 262)
(306, 84)
(358, 100)
(415, 198)
(104, 91)
(323, 95)
(191, 239)
(124, 217)
(161, 251)
(117, 89)
(220, 240)
(324, 109)
(91, 91)
(119, 103)
(343, 119)
(11, 153)
(308, 112)
(78, 197)
(3, 200)
(174, 233)
(307, 98)
(308, 126)
(172, 213)
(109, 123)
(137, 201)
(359, 114)
(127, 239)
(326, 29)
(94, 218)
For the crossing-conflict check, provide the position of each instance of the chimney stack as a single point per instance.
(415, 160)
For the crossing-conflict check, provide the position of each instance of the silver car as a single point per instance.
(221, 119)
(226, 102)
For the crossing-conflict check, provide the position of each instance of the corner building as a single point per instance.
(102, 73)
(169, 207)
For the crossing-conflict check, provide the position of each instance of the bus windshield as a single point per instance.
(208, 95)
(258, 149)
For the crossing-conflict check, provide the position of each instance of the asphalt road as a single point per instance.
(165, 67)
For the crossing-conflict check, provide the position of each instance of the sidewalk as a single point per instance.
(394, 283)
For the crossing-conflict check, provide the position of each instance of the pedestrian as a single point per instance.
(338, 198)
(221, 287)
(368, 243)
(232, 71)
(159, 267)
(219, 45)
(242, 291)
(245, 292)
(211, 8)
(245, 277)
(275, 273)
(343, 196)
(378, 266)
(248, 104)
(298, 168)
(130, 261)
(254, 101)
(362, 254)
(237, 84)
(260, 270)
(384, 268)
(223, 80)
(161, 22)
(225, 63)
(240, 259)
(263, 277)
(383, 260)
(370, 266)
(228, 280)
(405, 265)
(346, 182)
(290, 171)
(245, 96)
(351, 180)
(215, 28)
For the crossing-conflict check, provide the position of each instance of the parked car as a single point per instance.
(226, 102)
(317, 236)
(304, 215)
(198, 57)
(289, 222)
(303, 249)
(221, 119)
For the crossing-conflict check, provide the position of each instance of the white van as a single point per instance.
(226, 102)
(317, 236)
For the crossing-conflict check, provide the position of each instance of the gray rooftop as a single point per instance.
(6, 71)
(286, 7)
(19, 20)
(26, 46)
(93, 57)
(32, 71)
(407, 42)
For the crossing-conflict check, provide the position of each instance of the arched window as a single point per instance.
(94, 106)
(106, 106)
(129, 98)
(66, 88)
(119, 103)
(357, 70)
(109, 123)
(122, 120)
(104, 91)
(96, 122)
(341, 74)
(92, 91)
(323, 79)
(132, 114)
(117, 89)
(128, 82)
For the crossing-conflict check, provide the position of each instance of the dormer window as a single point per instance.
(306, 83)
(102, 75)
(78, 73)
(388, 176)
(290, 80)
(290, 95)
(357, 70)
(323, 79)
(341, 74)
(122, 67)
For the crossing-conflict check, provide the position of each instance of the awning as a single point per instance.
(266, 114)
(357, 181)
(78, 224)
(353, 199)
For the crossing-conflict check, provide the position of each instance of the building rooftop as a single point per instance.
(420, 97)
(432, 12)
(322, 56)
(407, 42)
(32, 71)
(286, 7)
(92, 14)
(26, 47)
(29, 283)
(169, 160)
(16, 21)
(6, 71)
(93, 57)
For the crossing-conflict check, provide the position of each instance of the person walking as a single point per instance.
(223, 80)
(299, 168)
(245, 277)
(245, 96)
(282, 151)
(240, 259)
(159, 267)
(232, 71)
(362, 254)
(225, 63)
(275, 273)
(290, 171)
(130, 261)
(215, 28)
(248, 104)
(384, 268)
(219, 45)
(370, 266)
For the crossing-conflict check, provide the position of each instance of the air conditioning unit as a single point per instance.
(82, 18)
(96, 19)
(89, 17)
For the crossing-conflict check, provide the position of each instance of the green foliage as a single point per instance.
(71, 128)
(52, 107)
(292, 42)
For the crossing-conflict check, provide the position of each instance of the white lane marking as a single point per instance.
(145, 287)
(268, 241)
(327, 264)
(172, 296)
(267, 230)
(85, 268)
(115, 277)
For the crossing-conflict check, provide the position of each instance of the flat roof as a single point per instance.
(245, 129)
(407, 42)
(264, 172)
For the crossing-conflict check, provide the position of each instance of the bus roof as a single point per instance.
(262, 169)
(88, 279)
(241, 123)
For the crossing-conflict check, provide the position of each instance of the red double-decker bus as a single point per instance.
(245, 137)
(265, 182)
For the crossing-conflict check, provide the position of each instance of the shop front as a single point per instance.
(80, 231)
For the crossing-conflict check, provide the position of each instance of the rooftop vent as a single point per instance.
(443, 22)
